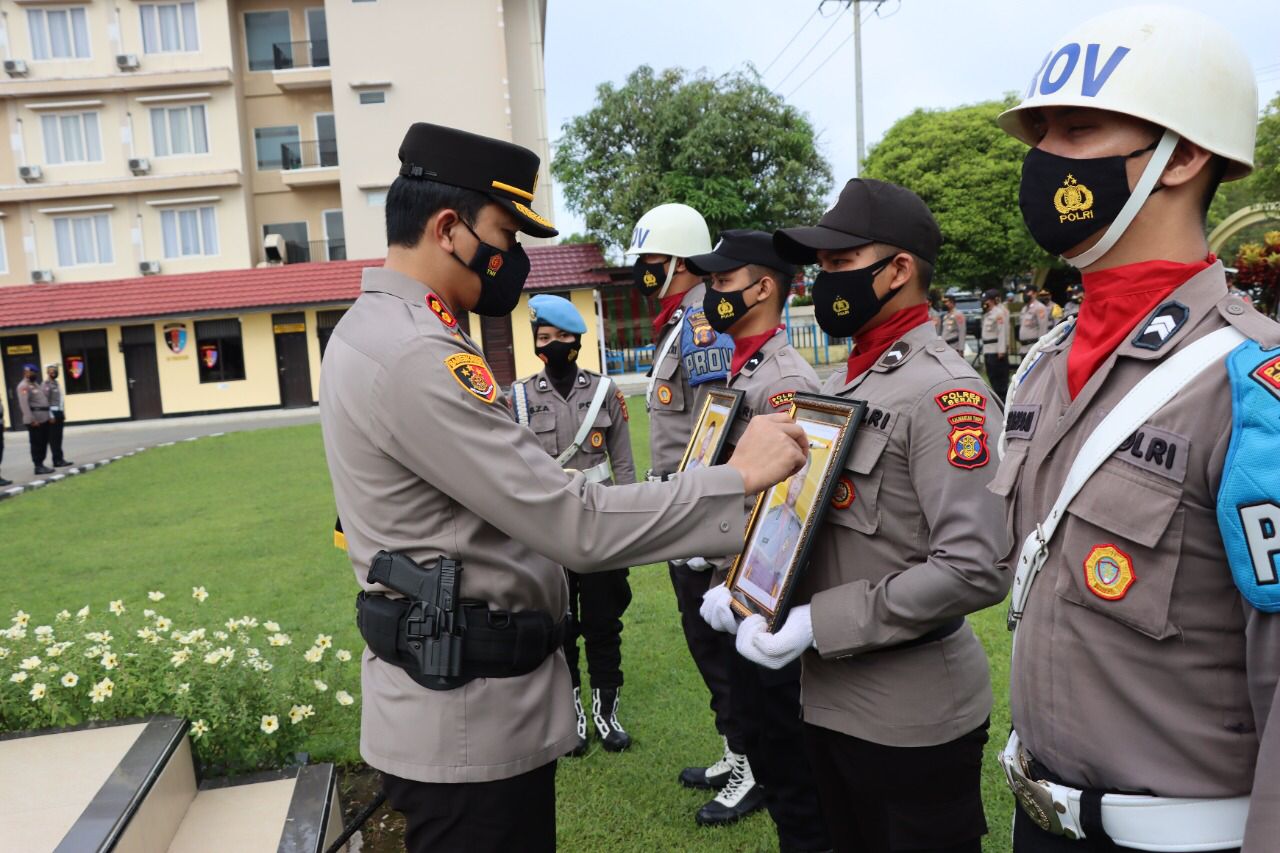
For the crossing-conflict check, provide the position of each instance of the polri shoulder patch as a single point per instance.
(967, 445)
(1267, 375)
(437, 307)
(622, 402)
(783, 400)
(949, 400)
(473, 375)
(1162, 326)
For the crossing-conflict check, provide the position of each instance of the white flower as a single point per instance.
(184, 687)
(4, 653)
(101, 691)
(324, 641)
(271, 626)
(343, 697)
(110, 661)
(320, 685)
(148, 635)
(220, 635)
(63, 615)
(18, 677)
(261, 665)
(37, 691)
(163, 623)
(233, 625)
(149, 613)
(214, 657)
(343, 655)
(156, 595)
(55, 650)
(15, 632)
(21, 618)
(98, 636)
(30, 663)
(313, 655)
(270, 722)
(199, 593)
(253, 653)
(95, 651)
(53, 667)
(117, 606)
(180, 657)
(199, 729)
(278, 639)
(248, 622)
(70, 680)
(44, 634)
(83, 613)
(298, 713)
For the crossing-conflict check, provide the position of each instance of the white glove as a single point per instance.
(776, 650)
(697, 564)
(716, 611)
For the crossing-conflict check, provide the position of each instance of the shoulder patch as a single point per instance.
(949, 400)
(437, 307)
(473, 375)
(782, 400)
(1267, 375)
(967, 445)
(895, 354)
(1162, 326)
(622, 402)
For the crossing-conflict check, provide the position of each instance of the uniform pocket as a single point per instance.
(598, 435)
(1005, 482)
(543, 425)
(855, 502)
(668, 391)
(1122, 540)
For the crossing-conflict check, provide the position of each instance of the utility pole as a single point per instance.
(857, 77)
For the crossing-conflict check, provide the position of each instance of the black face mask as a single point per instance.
(502, 276)
(560, 357)
(724, 308)
(844, 302)
(648, 278)
(1066, 200)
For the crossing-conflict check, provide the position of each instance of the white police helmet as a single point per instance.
(1167, 65)
(671, 229)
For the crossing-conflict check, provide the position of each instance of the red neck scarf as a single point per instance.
(870, 345)
(1116, 300)
(668, 306)
(744, 348)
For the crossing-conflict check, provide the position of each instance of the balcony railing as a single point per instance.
(328, 250)
(300, 54)
(308, 154)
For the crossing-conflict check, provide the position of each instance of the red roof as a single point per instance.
(27, 305)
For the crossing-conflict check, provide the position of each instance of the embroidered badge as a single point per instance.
(1268, 375)
(438, 308)
(1073, 200)
(473, 375)
(844, 493)
(597, 439)
(664, 394)
(495, 264)
(782, 400)
(949, 400)
(968, 446)
(967, 418)
(895, 355)
(1108, 572)
(1168, 319)
(622, 401)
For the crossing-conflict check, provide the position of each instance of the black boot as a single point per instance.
(738, 798)
(581, 748)
(604, 710)
(710, 778)
(4, 482)
(40, 469)
(63, 464)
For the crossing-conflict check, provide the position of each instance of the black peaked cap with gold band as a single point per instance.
(505, 172)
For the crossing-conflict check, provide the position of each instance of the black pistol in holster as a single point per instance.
(422, 632)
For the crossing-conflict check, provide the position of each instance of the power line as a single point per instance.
(835, 20)
(792, 40)
(831, 55)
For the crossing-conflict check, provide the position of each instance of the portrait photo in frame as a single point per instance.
(786, 516)
(708, 440)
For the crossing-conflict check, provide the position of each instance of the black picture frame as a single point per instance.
(719, 410)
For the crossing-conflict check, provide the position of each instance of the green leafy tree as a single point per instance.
(1263, 184)
(725, 145)
(967, 170)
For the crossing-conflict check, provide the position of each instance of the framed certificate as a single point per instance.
(786, 516)
(708, 440)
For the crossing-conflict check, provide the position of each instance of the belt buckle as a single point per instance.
(1036, 798)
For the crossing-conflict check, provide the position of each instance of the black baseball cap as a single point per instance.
(737, 248)
(505, 172)
(868, 211)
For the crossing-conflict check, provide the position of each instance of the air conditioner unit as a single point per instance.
(127, 61)
(274, 249)
(149, 267)
(15, 67)
(139, 165)
(42, 276)
(30, 173)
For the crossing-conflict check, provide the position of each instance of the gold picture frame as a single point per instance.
(780, 531)
(708, 440)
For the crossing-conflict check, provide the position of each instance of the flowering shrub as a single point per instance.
(252, 697)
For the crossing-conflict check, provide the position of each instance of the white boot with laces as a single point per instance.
(738, 798)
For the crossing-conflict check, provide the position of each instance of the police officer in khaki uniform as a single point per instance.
(57, 414)
(896, 688)
(995, 341)
(34, 405)
(581, 419)
(1033, 320)
(954, 332)
(690, 357)
(466, 697)
(3, 481)
(1140, 465)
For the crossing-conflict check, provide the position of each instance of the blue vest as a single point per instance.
(705, 354)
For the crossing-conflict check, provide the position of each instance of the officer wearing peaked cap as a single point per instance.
(581, 419)
(457, 521)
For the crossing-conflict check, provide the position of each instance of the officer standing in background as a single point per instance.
(34, 405)
(1141, 461)
(467, 706)
(3, 481)
(1055, 310)
(689, 358)
(57, 414)
(995, 341)
(748, 290)
(581, 419)
(1075, 295)
(896, 686)
(953, 330)
(1033, 320)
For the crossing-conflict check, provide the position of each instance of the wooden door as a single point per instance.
(142, 375)
(17, 351)
(292, 363)
(499, 349)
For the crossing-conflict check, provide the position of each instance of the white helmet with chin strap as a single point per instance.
(1167, 65)
(671, 229)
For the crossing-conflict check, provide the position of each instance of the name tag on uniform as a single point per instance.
(1021, 421)
(878, 418)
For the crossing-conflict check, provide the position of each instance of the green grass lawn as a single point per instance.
(250, 516)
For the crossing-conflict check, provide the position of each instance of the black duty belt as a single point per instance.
(39, 408)
(495, 643)
(946, 629)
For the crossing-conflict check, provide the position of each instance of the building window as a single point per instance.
(267, 39)
(169, 28)
(335, 236)
(373, 97)
(376, 198)
(270, 143)
(83, 240)
(219, 349)
(188, 232)
(179, 130)
(86, 367)
(58, 33)
(4, 252)
(71, 138)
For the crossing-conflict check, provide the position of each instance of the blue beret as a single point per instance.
(31, 367)
(549, 310)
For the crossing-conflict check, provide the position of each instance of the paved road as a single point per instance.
(94, 442)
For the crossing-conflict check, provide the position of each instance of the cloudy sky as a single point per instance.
(916, 53)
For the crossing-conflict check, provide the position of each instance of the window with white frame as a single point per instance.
(71, 138)
(4, 253)
(83, 240)
(189, 232)
(169, 28)
(179, 130)
(59, 33)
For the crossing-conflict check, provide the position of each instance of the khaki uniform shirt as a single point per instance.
(53, 391)
(909, 542)
(1139, 666)
(33, 403)
(673, 403)
(954, 331)
(426, 459)
(556, 420)
(1033, 322)
(995, 331)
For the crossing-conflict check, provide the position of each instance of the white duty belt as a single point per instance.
(660, 353)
